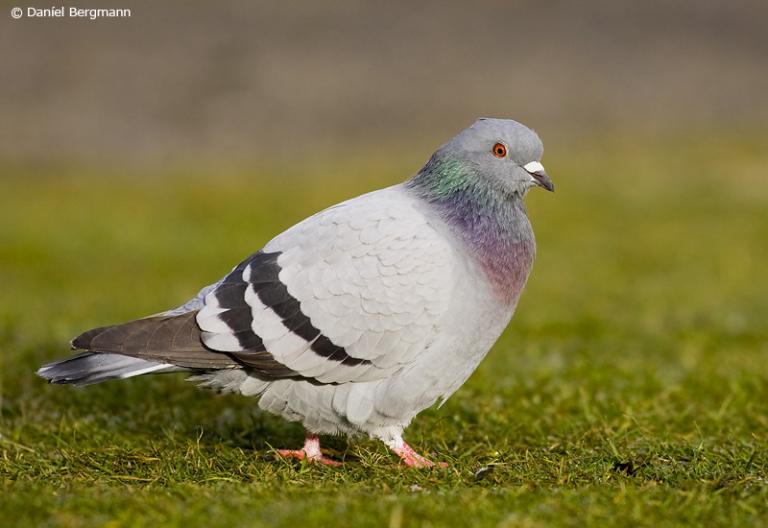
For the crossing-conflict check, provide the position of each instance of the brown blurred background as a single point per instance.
(246, 81)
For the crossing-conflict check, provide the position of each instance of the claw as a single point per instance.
(310, 452)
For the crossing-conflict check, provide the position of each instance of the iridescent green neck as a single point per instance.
(455, 186)
(445, 176)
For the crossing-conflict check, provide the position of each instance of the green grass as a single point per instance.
(630, 389)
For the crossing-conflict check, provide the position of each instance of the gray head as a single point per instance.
(503, 152)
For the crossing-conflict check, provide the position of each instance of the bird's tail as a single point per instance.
(162, 343)
(89, 368)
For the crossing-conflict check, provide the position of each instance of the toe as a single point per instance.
(327, 461)
(298, 454)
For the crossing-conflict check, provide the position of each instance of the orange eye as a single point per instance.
(499, 150)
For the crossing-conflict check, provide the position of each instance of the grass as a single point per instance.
(630, 389)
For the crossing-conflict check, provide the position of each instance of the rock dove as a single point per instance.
(361, 316)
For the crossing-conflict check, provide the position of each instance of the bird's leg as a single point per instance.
(310, 452)
(406, 453)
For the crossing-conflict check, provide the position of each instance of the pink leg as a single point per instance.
(310, 452)
(411, 458)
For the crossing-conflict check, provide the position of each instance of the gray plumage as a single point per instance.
(364, 314)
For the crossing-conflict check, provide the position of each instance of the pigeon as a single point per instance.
(361, 316)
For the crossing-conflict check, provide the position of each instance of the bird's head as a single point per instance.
(504, 153)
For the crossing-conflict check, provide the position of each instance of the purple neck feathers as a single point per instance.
(492, 224)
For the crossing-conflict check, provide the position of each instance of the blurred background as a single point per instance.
(243, 81)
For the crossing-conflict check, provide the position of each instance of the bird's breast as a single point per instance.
(507, 269)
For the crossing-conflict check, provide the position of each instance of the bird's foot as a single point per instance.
(310, 452)
(412, 459)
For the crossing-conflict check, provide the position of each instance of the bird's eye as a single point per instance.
(499, 150)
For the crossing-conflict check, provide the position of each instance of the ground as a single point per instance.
(630, 389)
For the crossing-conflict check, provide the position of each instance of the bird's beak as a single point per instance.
(540, 178)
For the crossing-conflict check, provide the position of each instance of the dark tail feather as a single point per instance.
(155, 344)
(160, 338)
(90, 368)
